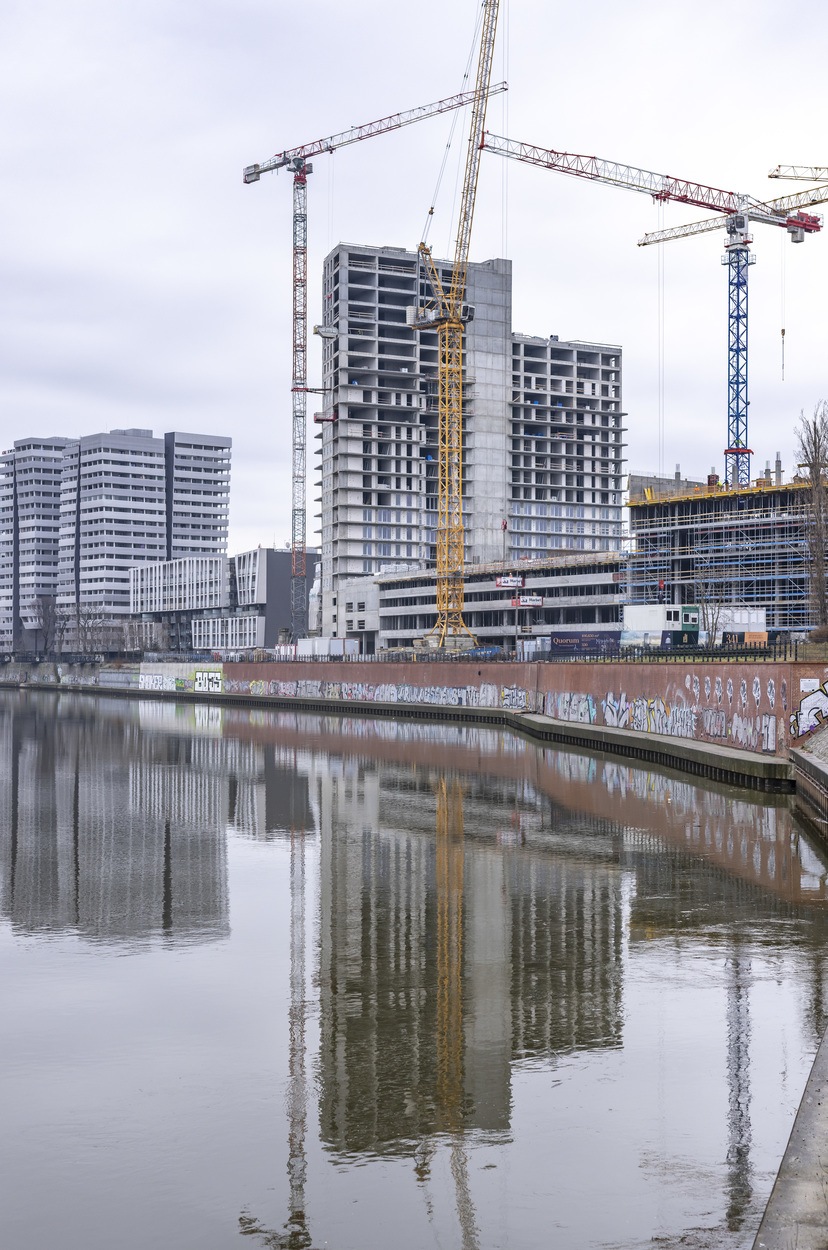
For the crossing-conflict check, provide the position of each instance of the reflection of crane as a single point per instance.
(449, 865)
(450, 853)
(740, 1188)
(297, 160)
(296, 1235)
(736, 212)
(446, 313)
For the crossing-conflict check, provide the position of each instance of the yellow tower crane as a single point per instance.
(447, 313)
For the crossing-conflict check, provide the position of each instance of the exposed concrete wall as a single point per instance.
(488, 344)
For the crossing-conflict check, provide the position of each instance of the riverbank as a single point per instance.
(797, 1210)
(713, 721)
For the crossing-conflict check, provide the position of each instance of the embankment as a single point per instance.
(731, 722)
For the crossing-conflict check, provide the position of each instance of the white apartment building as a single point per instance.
(126, 499)
(543, 451)
(189, 584)
(113, 513)
(198, 492)
(30, 479)
(216, 603)
(76, 514)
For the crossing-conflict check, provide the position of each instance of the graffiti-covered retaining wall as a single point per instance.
(756, 707)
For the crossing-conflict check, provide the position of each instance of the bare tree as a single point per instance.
(44, 615)
(88, 623)
(812, 454)
(708, 595)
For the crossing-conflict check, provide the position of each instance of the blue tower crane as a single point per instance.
(734, 212)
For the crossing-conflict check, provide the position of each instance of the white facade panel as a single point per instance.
(228, 633)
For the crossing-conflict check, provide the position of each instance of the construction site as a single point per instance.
(447, 440)
(744, 547)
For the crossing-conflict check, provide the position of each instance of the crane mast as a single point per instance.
(447, 314)
(735, 214)
(299, 405)
(296, 160)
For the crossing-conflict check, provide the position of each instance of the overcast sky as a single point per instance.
(143, 284)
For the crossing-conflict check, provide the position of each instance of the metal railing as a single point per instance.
(608, 654)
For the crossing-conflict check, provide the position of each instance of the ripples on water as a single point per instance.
(323, 982)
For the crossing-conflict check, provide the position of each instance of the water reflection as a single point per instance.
(112, 834)
(466, 913)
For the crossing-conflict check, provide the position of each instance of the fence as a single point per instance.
(775, 651)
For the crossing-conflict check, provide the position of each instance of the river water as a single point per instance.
(283, 980)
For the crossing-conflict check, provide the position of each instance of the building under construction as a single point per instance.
(709, 544)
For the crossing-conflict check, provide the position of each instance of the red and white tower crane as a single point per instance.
(735, 213)
(297, 161)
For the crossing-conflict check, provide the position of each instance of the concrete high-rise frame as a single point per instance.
(542, 428)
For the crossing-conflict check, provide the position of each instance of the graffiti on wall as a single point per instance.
(746, 710)
(213, 681)
(813, 707)
(570, 707)
(686, 711)
(208, 682)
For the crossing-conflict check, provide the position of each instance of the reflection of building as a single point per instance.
(110, 833)
(269, 794)
(444, 957)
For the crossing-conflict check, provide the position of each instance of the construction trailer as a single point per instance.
(660, 625)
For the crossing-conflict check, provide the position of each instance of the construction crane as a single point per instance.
(801, 173)
(446, 312)
(735, 212)
(297, 161)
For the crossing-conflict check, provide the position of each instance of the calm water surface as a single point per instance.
(293, 981)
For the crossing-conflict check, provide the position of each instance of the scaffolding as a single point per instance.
(743, 547)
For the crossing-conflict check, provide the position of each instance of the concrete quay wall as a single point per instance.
(756, 707)
(733, 723)
(796, 1216)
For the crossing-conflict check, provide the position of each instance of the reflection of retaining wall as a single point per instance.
(810, 775)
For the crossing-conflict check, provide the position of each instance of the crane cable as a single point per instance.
(660, 248)
(452, 129)
(504, 165)
(783, 280)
